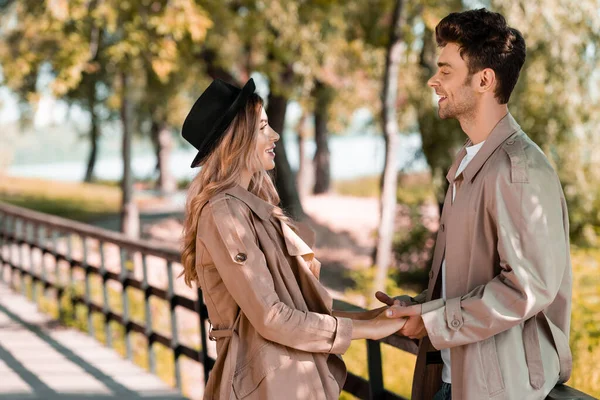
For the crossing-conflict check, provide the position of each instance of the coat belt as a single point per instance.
(533, 353)
(215, 334)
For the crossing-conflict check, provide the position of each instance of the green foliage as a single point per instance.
(85, 47)
(363, 284)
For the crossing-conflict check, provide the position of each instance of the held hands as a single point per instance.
(404, 307)
(374, 324)
(382, 326)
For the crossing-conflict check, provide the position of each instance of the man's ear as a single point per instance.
(487, 80)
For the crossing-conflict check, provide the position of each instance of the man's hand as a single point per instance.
(403, 300)
(414, 327)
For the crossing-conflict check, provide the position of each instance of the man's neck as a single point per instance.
(479, 125)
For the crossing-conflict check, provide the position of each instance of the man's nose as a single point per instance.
(432, 82)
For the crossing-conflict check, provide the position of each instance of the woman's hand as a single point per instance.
(376, 328)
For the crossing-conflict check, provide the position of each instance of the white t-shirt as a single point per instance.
(471, 151)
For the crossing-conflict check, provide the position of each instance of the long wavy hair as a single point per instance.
(220, 171)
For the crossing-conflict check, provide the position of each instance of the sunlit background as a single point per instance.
(77, 77)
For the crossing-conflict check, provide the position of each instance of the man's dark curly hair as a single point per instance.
(486, 41)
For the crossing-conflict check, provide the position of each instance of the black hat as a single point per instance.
(212, 113)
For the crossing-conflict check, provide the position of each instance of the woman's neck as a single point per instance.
(245, 178)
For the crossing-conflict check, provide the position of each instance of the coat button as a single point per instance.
(511, 141)
(455, 323)
(241, 257)
(430, 274)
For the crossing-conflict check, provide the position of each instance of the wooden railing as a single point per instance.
(29, 240)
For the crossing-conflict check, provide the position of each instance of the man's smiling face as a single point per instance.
(453, 83)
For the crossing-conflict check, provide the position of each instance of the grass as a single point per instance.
(398, 367)
(413, 189)
(585, 321)
(78, 201)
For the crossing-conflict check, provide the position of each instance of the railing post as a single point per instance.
(71, 287)
(375, 370)
(202, 315)
(105, 304)
(21, 256)
(148, 315)
(30, 241)
(60, 290)
(88, 300)
(174, 334)
(41, 242)
(2, 241)
(123, 277)
(11, 256)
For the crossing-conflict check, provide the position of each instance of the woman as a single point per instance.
(276, 335)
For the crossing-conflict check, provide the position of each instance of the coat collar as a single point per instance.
(502, 131)
(256, 204)
(298, 244)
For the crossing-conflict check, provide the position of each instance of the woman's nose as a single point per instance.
(275, 136)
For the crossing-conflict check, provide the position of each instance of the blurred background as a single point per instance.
(93, 95)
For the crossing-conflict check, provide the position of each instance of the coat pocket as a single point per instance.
(267, 359)
(491, 366)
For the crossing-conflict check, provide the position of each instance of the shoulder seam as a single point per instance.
(519, 171)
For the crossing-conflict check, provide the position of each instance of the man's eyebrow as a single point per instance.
(443, 64)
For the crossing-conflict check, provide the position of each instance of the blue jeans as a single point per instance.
(445, 392)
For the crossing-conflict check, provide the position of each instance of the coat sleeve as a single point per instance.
(529, 213)
(228, 235)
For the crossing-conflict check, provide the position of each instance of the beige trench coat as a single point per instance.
(506, 243)
(271, 318)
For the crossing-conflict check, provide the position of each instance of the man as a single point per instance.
(499, 295)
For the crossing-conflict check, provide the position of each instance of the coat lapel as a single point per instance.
(295, 245)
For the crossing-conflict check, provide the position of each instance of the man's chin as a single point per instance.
(445, 113)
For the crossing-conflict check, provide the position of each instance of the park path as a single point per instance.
(41, 359)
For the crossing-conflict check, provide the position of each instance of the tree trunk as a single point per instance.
(323, 96)
(390, 131)
(94, 129)
(303, 176)
(130, 221)
(94, 135)
(284, 176)
(163, 144)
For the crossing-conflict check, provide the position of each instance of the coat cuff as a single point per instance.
(343, 336)
(435, 324)
(432, 305)
(441, 322)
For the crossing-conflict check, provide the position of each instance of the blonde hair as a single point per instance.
(220, 171)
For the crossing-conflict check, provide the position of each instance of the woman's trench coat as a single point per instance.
(271, 318)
